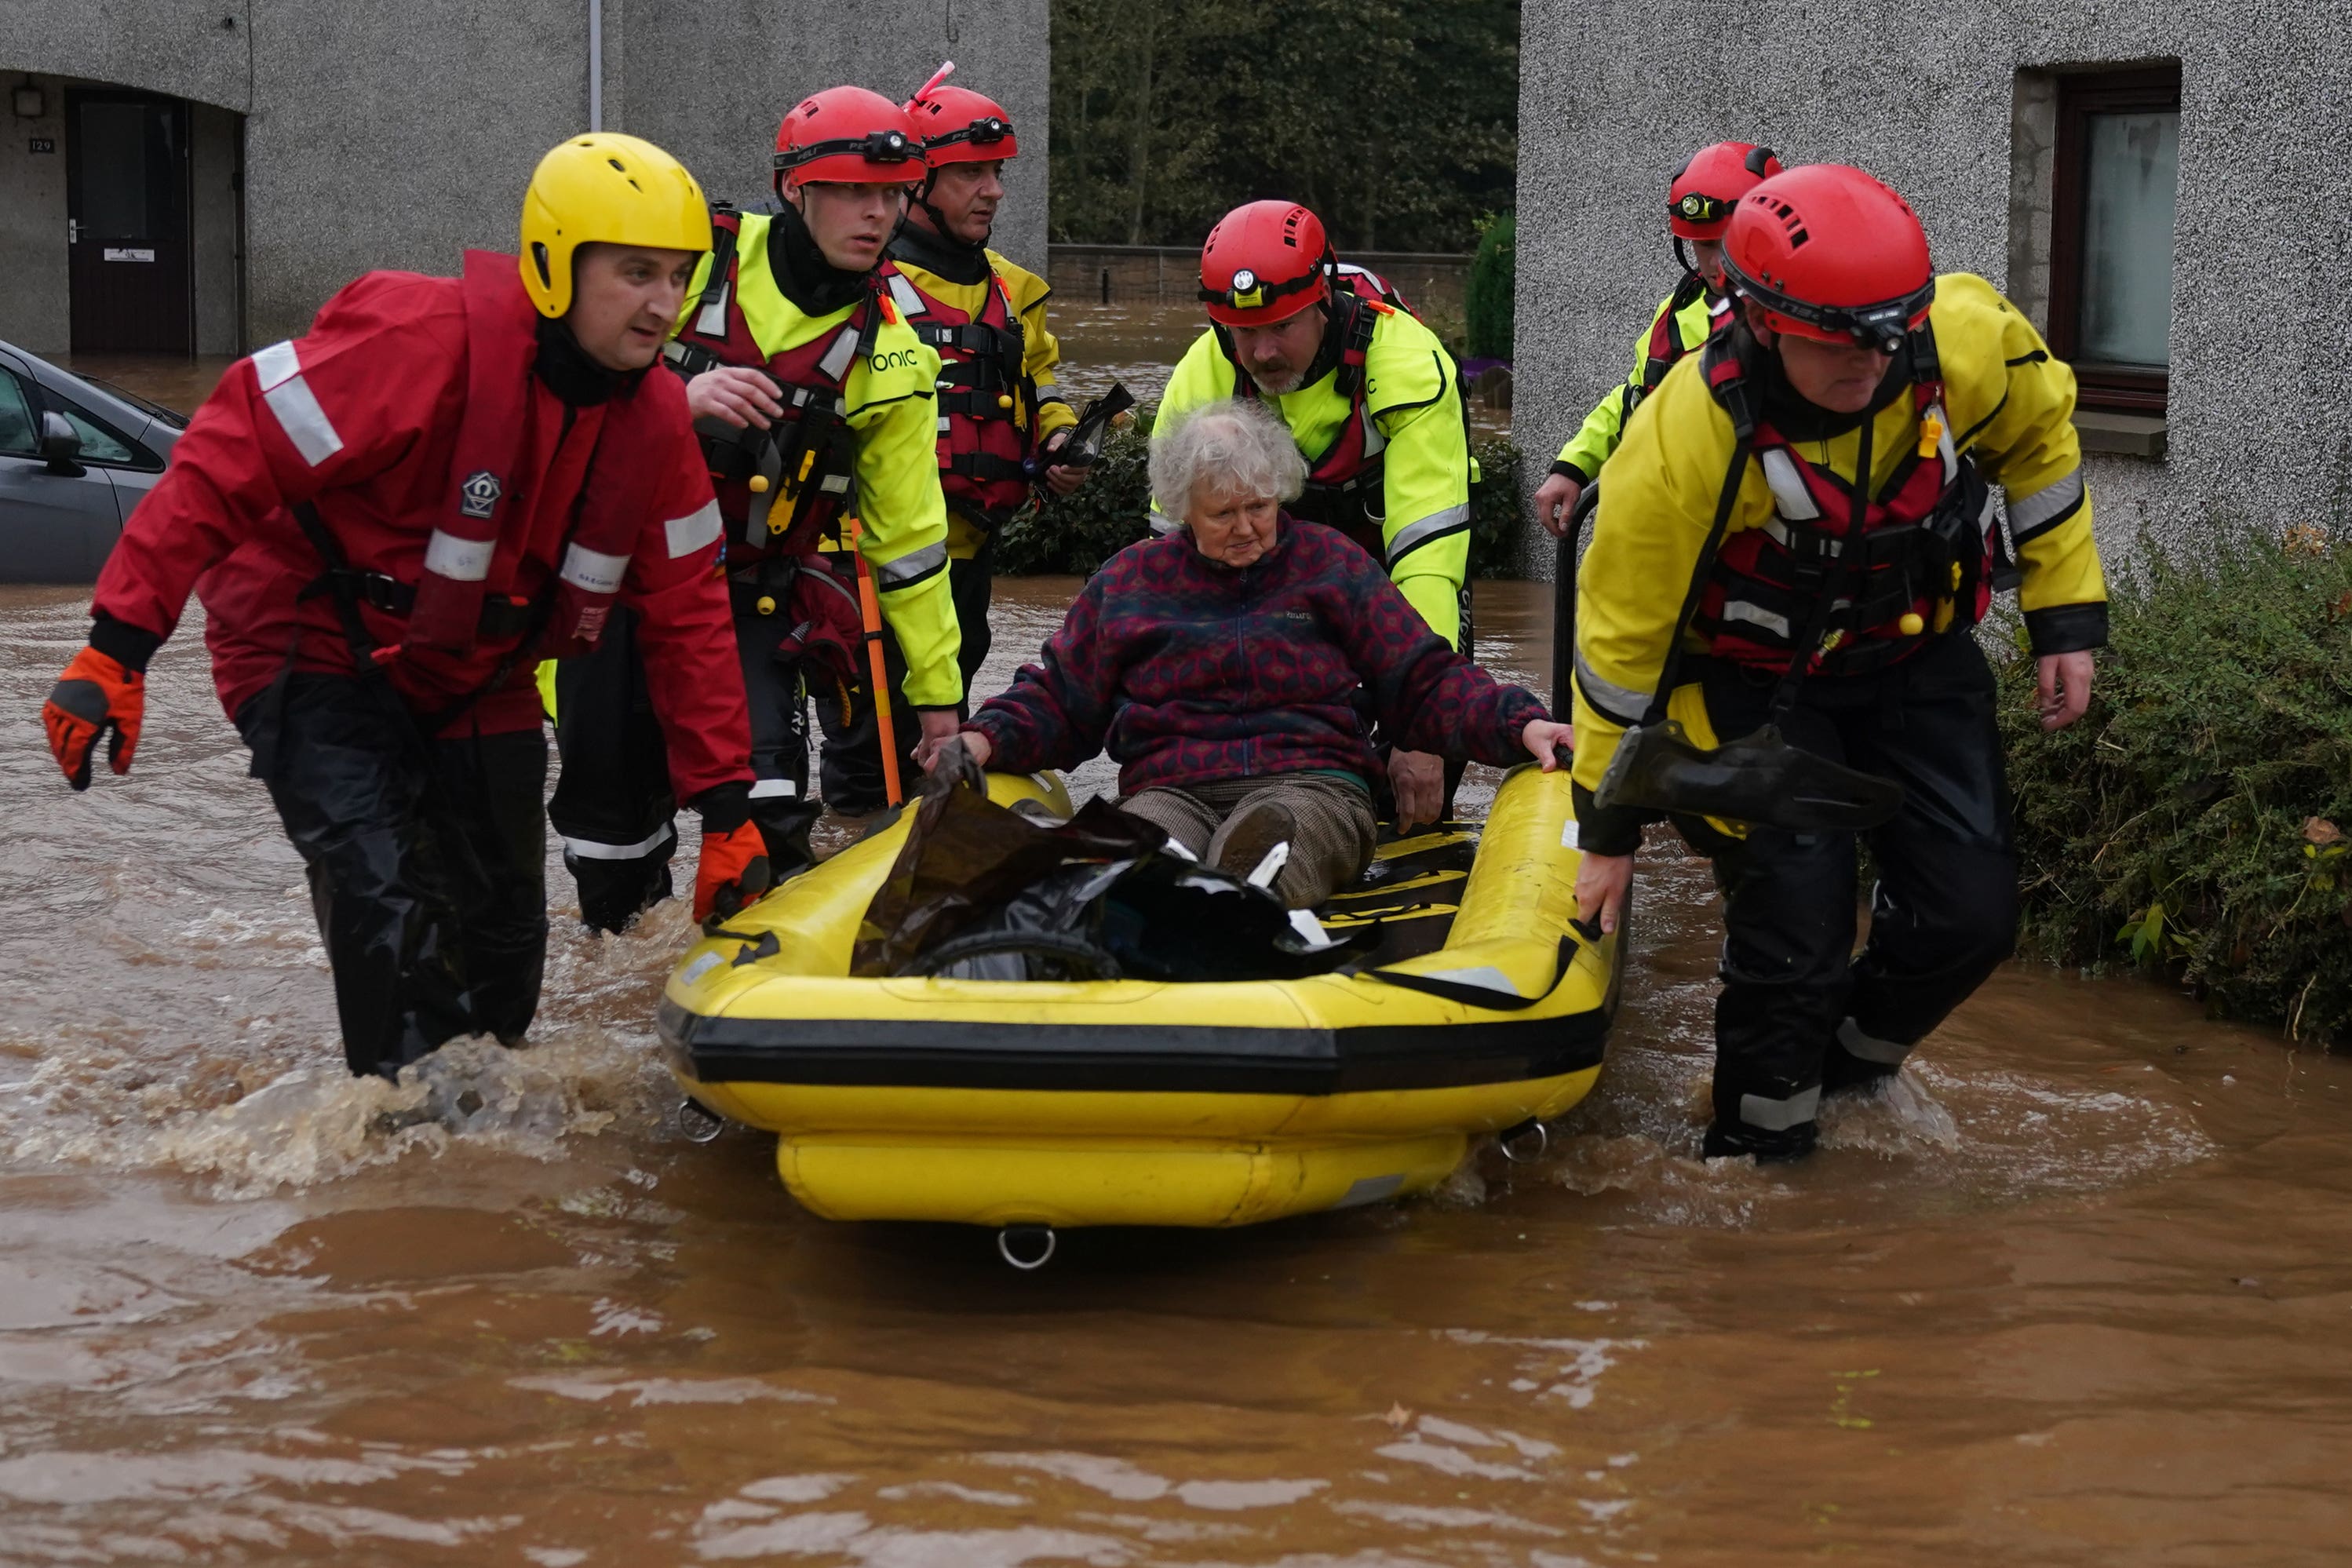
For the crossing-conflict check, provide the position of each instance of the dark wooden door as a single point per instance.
(127, 199)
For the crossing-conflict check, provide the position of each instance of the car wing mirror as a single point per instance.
(61, 445)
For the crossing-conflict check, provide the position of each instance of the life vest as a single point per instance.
(1666, 345)
(807, 461)
(1926, 540)
(988, 404)
(1367, 284)
(445, 607)
(1345, 481)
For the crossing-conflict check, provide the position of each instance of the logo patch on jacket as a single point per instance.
(478, 496)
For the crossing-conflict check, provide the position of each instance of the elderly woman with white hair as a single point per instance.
(1225, 664)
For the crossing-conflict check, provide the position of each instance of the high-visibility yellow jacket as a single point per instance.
(1412, 406)
(889, 399)
(1040, 352)
(1605, 425)
(2011, 407)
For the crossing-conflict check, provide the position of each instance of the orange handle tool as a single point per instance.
(869, 606)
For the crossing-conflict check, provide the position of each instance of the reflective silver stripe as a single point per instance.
(771, 789)
(907, 568)
(943, 425)
(277, 370)
(459, 560)
(1775, 529)
(911, 300)
(836, 360)
(1426, 528)
(593, 570)
(1789, 491)
(1375, 440)
(690, 534)
(1622, 703)
(1869, 1047)
(589, 849)
(1779, 1115)
(711, 322)
(2031, 514)
(835, 484)
(275, 363)
(1756, 614)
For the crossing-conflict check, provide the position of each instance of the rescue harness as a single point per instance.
(988, 403)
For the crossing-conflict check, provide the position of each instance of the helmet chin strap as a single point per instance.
(945, 235)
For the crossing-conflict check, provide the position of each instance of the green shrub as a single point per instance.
(1487, 294)
(2194, 821)
(1077, 534)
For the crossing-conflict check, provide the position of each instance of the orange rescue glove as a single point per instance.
(733, 871)
(96, 695)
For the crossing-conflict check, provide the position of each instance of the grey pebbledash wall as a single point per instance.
(382, 135)
(1614, 93)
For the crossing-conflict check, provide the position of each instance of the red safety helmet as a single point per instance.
(958, 125)
(1264, 262)
(1710, 184)
(846, 135)
(1831, 254)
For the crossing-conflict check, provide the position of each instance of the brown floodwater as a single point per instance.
(2076, 1293)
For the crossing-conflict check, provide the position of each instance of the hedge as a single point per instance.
(2194, 823)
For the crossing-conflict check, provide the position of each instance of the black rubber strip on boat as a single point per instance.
(1140, 1058)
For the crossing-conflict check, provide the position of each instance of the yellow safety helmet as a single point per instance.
(605, 188)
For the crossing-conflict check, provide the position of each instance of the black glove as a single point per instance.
(953, 764)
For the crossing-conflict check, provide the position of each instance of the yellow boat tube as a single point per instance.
(1017, 1103)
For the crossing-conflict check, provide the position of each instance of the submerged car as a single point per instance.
(75, 455)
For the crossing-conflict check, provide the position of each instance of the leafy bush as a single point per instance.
(1488, 292)
(1077, 534)
(2194, 822)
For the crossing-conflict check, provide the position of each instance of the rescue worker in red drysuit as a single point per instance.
(387, 520)
(815, 401)
(1698, 209)
(998, 404)
(1851, 357)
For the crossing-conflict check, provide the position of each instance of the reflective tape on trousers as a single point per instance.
(1870, 1047)
(590, 850)
(1779, 1115)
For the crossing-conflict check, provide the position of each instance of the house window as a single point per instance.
(2115, 175)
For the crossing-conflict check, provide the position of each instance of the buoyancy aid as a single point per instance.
(1666, 345)
(445, 607)
(987, 403)
(1345, 480)
(1920, 564)
(807, 463)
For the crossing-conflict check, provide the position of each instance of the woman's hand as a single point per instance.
(975, 744)
(737, 393)
(1544, 739)
(1417, 781)
(1601, 884)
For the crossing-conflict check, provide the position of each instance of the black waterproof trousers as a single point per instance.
(613, 806)
(1800, 1011)
(851, 770)
(426, 862)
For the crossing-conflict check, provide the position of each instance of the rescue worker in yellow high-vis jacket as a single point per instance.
(815, 404)
(1729, 545)
(1699, 207)
(1375, 404)
(1000, 414)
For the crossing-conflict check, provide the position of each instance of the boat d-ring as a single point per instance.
(1512, 1141)
(698, 1121)
(1027, 1247)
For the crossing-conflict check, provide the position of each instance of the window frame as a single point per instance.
(2140, 89)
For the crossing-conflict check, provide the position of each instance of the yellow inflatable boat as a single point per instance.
(1023, 1104)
